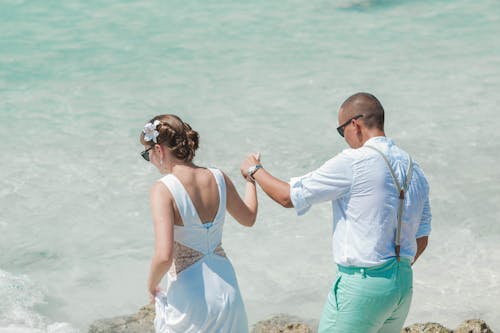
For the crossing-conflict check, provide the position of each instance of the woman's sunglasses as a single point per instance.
(145, 153)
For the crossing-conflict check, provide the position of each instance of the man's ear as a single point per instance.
(358, 126)
(359, 131)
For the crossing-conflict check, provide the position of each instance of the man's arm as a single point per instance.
(275, 188)
(424, 230)
(329, 182)
(421, 245)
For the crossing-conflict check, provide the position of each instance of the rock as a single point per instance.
(283, 323)
(426, 328)
(141, 322)
(473, 326)
(468, 326)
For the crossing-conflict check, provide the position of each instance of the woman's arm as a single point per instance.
(163, 219)
(244, 211)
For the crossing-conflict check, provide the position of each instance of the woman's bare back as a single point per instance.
(201, 186)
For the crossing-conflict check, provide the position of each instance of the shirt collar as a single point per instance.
(379, 139)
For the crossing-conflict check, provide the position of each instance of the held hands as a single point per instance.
(251, 160)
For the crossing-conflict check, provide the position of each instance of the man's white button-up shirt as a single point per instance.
(365, 202)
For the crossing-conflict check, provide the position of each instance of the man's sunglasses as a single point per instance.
(340, 129)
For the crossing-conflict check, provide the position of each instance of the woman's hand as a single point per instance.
(152, 294)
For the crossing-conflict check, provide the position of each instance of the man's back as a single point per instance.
(365, 202)
(365, 218)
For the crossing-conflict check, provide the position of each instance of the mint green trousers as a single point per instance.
(369, 300)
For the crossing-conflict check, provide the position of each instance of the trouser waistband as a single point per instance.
(374, 270)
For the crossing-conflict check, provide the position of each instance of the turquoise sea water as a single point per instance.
(79, 79)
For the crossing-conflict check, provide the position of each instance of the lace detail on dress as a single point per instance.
(220, 251)
(184, 256)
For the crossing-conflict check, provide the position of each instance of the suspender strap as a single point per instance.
(401, 190)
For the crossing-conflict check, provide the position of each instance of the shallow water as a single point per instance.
(79, 80)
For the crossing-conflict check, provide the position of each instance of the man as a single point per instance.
(381, 219)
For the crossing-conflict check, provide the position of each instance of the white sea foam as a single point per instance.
(17, 313)
(52, 328)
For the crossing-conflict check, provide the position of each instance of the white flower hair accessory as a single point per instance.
(150, 132)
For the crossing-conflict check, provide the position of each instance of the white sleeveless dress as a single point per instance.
(201, 294)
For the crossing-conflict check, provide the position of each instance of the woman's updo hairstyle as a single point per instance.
(176, 135)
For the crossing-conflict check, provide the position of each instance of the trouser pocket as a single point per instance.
(335, 291)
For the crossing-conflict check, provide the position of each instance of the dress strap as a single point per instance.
(185, 207)
(401, 191)
(221, 184)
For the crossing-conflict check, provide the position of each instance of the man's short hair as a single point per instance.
(367, 105)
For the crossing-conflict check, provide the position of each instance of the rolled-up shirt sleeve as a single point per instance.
(330, 182)
(424, 228)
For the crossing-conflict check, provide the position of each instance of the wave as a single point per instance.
(19, 296)
(367, 5)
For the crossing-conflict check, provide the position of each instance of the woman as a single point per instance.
(188, 206)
